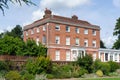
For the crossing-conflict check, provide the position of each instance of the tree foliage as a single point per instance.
(102, 45)
(15, 32)
(117, 33)
(16, 46)
(4, 3)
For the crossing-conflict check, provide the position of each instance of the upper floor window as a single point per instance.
(44, 28)
(67, 28)
(67, 40)
(77, 41)
(57, 27)
(57, 55)
(26, 33)
(44, 39)
(86, 43)
(32, 31)
(94, 32)
(38, 30)
(57, 40)
(94, 43)
(77, 30)
(86, 31)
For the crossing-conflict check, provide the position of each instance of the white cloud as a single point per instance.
(109, 41)
(116, 3)
(37, 14)
(56, 4)
(1, 31)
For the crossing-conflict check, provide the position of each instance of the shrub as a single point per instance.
(113, 66)
(28, 76)
(39, 65)
(85, 62)
(96, 65)
(105, 67)
(13, 75)
(99, 73)
(3, 66)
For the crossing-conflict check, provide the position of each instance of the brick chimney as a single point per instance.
(74, 17)
(47, 13)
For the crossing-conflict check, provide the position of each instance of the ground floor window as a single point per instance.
(68, 55)
(115, 57)
(57, 55)
(106, 56)
(111, 57)
(94, 56)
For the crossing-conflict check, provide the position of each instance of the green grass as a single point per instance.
(102, 79)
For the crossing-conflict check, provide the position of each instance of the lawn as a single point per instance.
(102, 79)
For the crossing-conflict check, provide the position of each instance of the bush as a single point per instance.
(99, 73)
(28, 76)
(105, 67)
(39, 65)
(85, 62)
(13, 75)
(3, 66)
(96, 65)
(113, 66)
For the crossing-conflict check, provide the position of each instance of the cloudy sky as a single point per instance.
(100, 12)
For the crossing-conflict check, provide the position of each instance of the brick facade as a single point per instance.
(51, 31)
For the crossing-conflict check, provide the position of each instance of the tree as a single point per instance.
(15, 32)
(116, 32)
(102, 44)
(4, 3)
(10, 45)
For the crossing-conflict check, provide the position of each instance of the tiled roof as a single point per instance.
(61, 20)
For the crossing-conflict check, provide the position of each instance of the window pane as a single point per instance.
(67, 29)
(57, 40)
(67, 40)
(57, 53)
(57, 27)
(86, 31)
(67, 55)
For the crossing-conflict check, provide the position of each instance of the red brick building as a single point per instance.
(65, 38)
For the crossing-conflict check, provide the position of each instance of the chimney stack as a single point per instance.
(47, 13)
(74, 17)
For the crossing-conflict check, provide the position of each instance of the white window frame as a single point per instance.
(67, 28)
(94, 43)
(32, 31)
(115, 57)
(94, 32)
(57, 27)
(67, 55)
(44, 39)
(57, 55)
(44, 28)
(57, 39)
(38, 30)
(94, 56)
(77, 41)
(37, 41)
(26, 33)
(85, 31)
(77, 30)
(86, 42)
(67, 40)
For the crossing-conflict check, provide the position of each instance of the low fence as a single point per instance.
(17, 61)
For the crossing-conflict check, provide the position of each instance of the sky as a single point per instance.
(103, 13)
